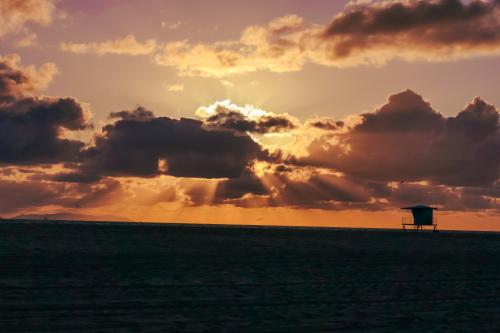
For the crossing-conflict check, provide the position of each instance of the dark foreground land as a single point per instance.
(151, 278)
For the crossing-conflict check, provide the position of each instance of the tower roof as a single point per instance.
(419, 207)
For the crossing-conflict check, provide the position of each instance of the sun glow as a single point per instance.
(248, 110)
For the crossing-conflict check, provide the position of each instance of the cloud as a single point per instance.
(310, 189)
(35, 194)
(17, 81)
(139, 114)
(447, 198)
(301, 189)
(31, 127)
(27, 195)
(248, 118)
(173, 25)
(322, 191)
(29, 40)
(140, 144)
(167, 194)
(364, 33)
(236, 188)
(227, 83)
(175, 88)
(326, 124)
(404, 152)
(75, 177)
(406, 140)
(30, 130)
(105, 192)
(127, 45)
(15, 14)
(272, 47)
(375, 32)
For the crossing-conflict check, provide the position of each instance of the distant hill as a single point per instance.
(71, 217)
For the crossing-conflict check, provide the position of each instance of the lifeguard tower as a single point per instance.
(421, 216)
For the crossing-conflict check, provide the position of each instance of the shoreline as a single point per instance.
(232, 226)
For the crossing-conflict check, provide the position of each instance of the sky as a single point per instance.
(285, 112)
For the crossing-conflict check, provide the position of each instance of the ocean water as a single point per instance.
(91, 277)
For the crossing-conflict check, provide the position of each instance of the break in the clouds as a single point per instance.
(248, 118)
(127, 45)
(367, 32)
(407, 140)
(16, 14)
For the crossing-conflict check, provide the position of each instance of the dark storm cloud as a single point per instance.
(75, 177)
(439, 25)
(138, 114)
(404, 112)
(30, 130)
(236, 188)
(137, 144)
(326, 124)
(399, 16)
(235, 120)
(30, 127)
(406, 140)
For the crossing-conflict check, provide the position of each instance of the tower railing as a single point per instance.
(408, 222)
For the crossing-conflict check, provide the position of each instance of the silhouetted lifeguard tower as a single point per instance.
(421, 216)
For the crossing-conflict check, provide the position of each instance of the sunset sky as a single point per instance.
(289, 112)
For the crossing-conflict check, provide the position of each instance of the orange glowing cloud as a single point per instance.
(365, 33)
(272, 47)
(18, 81)
(15, 14)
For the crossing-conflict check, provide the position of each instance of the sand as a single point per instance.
(88, 277)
